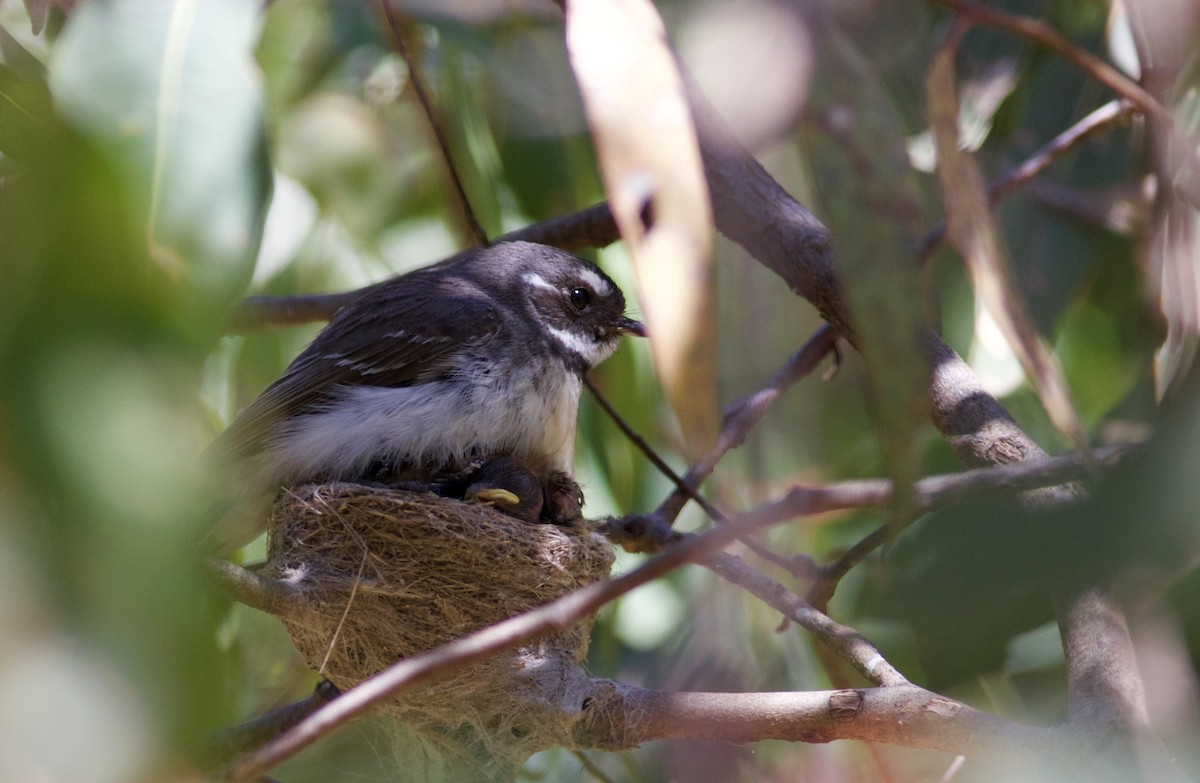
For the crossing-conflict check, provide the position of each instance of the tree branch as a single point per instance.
(254, 590)
(901, 715)
(848, 643)
(259, 731)
(743, 415)
(1045, 34)
(564, 612)
(1002, 187)
(591, 227)
(1188, 183)
(1104, 686)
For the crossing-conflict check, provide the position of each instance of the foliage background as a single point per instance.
(134, 216)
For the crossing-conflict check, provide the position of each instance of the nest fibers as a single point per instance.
(386, 574)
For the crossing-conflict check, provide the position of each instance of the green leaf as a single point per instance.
(1101, 371)
(170, 92)
(870, 197)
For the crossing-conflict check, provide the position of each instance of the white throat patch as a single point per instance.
(591, 351)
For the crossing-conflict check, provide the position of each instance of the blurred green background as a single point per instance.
(161, 160)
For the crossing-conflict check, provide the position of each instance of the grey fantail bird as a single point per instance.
(479, 357)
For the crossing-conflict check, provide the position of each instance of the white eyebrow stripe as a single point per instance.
(593, 280)
(598, 283)
(533, 278)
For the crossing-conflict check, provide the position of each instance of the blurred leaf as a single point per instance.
(858, 150)
(972, 231)
(170, 91)
(97, 437)
(24, 106)
(40, 10)
(17, 57)
(1094, 359)
(1175, 252)
(650, 160)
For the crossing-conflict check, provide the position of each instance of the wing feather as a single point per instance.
(399, 334)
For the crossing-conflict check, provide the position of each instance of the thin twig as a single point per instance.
(591, 767)
(746, 413)
(1103, 118)
(1110, 114)
(932, 493)
(953, 769)
(1041, 32)
(1045, 34)
(948, 489)
(848, 643)
(257, 732)
(655, 459)
(829, 576)
(713, 512)
(435, 122)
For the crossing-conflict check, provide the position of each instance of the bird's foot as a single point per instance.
(563, 501)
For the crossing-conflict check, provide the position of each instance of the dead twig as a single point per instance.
(1107, 116)
(417, 80)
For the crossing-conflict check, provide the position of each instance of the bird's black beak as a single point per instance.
(630, 326)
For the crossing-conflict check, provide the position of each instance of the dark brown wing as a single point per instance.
(396, 335)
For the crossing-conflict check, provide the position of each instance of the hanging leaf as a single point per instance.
(858, 151)
(170, 91)
(650, 162)
(972, 232)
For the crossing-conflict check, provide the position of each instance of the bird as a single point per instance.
(474, 362)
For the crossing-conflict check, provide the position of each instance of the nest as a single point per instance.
(386, 574)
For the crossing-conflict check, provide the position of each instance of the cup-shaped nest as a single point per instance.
(384, 574)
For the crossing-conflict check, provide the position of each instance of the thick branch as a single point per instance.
(592, 227)
(1103, 683)
(254, 590)
(902, 715)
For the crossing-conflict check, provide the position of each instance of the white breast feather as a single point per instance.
(439, 423)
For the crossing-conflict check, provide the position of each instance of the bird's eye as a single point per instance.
(580, 298)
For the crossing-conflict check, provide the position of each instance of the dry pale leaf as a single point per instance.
(650, 162)
(972, 232)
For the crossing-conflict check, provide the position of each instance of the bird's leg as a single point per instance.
(563, 501)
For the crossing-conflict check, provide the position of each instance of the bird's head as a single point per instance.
(580, 309)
